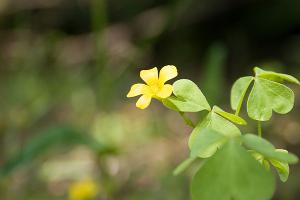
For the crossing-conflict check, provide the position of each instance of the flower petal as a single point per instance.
(167, 72)
(150, 76)
(143, 102)
(138, 89)
(165, 91)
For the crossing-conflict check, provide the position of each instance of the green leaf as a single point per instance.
(239, 90)
(207, 142)
(168, 102)
(232, 173)
(273, 76)
(60, 136)
(260, 158)
(267, 96)
(189, 97)
(231, 117)
(282, 168)
(265, 148)
(217, 123)
(183, 166)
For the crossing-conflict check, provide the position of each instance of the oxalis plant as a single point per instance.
(236, 166)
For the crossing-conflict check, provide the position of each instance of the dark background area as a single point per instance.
(67, 65)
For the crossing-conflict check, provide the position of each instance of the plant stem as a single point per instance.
(187, 120)
(259, 129)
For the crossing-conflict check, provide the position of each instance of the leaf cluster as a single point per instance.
(235, 165)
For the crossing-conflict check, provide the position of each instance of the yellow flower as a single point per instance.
(83, 190)
(155, 88)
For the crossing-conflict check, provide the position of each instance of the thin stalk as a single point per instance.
(99, 18)
(259, 129)
(100, 74)
(187, 120)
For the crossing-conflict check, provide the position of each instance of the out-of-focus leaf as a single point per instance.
(231, 117)
(50, 138)
(232, 173)
(264, 147)
(183, 166)
(206, 143)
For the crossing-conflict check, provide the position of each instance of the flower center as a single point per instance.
(155, 88)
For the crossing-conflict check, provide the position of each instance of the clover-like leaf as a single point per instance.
(273, 76)
(231, 117)
(207, 142)
(232, 173)
(267, 96)
(239, 90)
(217, 123)
(265, 148)
(189, 97)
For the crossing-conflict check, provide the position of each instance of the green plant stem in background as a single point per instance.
(187, 120)
(98, 8)
(259, 129)
(100, 74)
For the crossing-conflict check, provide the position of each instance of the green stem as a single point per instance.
(187, 120)
(259, 129)
(99, 18)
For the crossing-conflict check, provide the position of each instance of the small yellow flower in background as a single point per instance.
(155, 86)
(83, 190)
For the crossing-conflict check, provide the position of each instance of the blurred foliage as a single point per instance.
(66, 66)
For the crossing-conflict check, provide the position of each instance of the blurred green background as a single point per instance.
(67, 65)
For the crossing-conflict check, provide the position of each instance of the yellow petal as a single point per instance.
(165, 91)
(143, 101)
(150, 76)
(167, 72)
(138, 89)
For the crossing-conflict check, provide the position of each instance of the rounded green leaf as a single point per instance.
(232, 173)
(189, 97)
(267, 96)
(168, 102)
(217, 123)
(207, 142)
